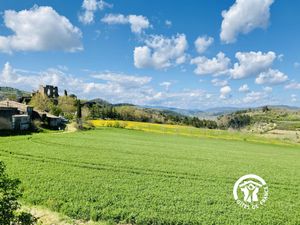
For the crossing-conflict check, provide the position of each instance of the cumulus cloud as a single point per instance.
(271, 77)
(216, 66)
(24, 80)
(34, 30)
(137, 22)
(225, 92)
(293, 85)
(160, 52)
(244, 88)
(202, 43)
(251, 63)
(89, 9)
(219, 83)
(243, 17)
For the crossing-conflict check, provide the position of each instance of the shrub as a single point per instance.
(9, 206)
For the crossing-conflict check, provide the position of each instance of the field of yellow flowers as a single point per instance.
(188, 131)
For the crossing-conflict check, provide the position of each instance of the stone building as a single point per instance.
(15, 116)
(21, 122)
(6, 114)
(49, 91)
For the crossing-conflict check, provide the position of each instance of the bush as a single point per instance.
(36, 125)
(9, 206)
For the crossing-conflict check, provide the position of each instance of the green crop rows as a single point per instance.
(126, 176)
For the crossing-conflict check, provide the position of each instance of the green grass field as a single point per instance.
(129, 176)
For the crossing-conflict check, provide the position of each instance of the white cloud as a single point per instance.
(115, 19)
(216, 66)
(268, 89)
(128, 80)
(24, 79)
(168, 23)
(243, 17)
(260, 97)
(294, 98)
(8, 75)
(111, 86)
(90, 7)
(137, 22)
(255, 97)
(166, 85)
(225, 92)
(202, 43)
(244, 88)
(251, 63)
(296, 64)
(160, 52)
(39, 29)
(271, 77)
(219, 83)
(280, 57)
(293, 85)
(185, 99)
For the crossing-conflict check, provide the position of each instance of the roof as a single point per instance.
(22, 107)
(9, 103)
(7, 108)
(19, 116)
(49, 115)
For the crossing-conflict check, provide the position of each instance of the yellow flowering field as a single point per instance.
(188, 131)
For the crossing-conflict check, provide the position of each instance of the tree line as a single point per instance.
(69, 107)
(133, 113)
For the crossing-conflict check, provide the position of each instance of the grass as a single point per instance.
(130, 176)
(288, 125)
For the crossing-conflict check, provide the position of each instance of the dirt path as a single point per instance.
(47, 217)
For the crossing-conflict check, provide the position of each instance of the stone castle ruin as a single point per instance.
(49, 91)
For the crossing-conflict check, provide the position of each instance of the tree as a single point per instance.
(41, 102)
(79, 114)
(238, 121)
(9, 205)
(265, 109)
(55, 110)
(67, 105)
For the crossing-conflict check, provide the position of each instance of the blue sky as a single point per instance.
(169, 53)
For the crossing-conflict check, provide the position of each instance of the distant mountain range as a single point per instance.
(206, 113)
(216, 111)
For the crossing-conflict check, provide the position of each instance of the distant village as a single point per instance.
(18, 115)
